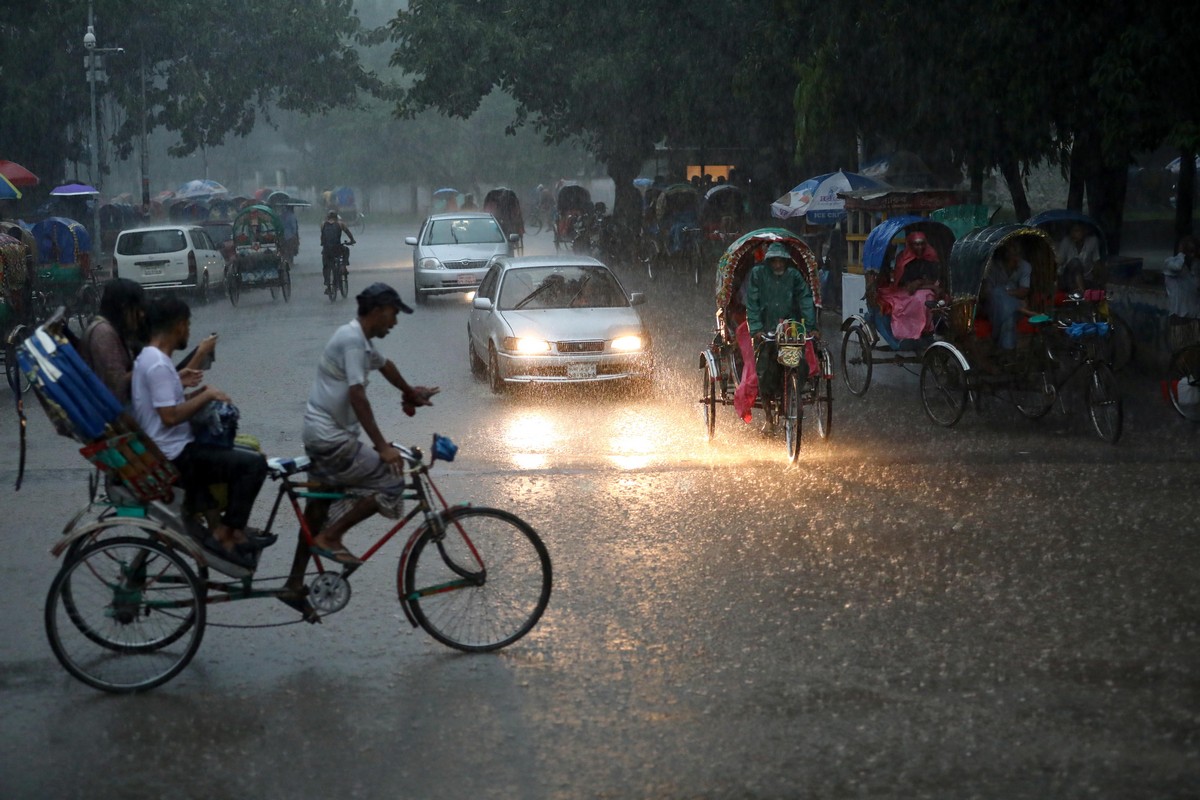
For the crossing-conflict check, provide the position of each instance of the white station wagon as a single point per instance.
(181, 257)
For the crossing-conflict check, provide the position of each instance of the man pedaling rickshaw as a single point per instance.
(775, 291)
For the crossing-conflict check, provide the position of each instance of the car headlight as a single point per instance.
(430, 263)
(526, 346)
(627, 344)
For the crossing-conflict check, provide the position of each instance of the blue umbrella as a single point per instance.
(816, 199)
(7, 190)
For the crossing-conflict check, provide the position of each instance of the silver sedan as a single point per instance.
(453, 251)
(556, 319)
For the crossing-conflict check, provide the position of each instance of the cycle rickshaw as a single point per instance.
(127, 609)
(1053, 344)
(574, 205)
(64, 274)
(503, 204)
(1058, 223)
(722, 364)
(867, 337)
(16, 296)
(258, 261)
(723, 214)
(677, 211)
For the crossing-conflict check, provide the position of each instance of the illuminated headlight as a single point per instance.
(430, 263)
(626, 344)
(526, 346)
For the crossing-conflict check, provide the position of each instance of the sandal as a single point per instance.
(338, 554)
(235, 556)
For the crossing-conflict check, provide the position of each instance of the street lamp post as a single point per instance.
(89, 43)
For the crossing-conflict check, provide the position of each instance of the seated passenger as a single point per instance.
(1078, 258)
(915, 280)
(164, 413)
(1007, 288)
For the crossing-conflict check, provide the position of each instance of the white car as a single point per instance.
(181, 257)
(454, 250)
(556, 319)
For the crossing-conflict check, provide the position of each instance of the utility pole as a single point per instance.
(145, 156)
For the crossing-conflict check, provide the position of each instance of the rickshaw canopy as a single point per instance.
(880, 239)
(677, 199)
(503, 204)
(738, 259)
(971, 255)
(61, 240)
(574, 197)
(257, 224)
(1058, 221)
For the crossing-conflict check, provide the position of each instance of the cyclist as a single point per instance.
(775, 291)
(338, 410)
(331, 245)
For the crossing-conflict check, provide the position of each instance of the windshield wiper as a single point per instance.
(575, 296)
(532, 295)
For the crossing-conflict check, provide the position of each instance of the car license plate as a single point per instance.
(151, 271)
(467, 280)
(577, 370)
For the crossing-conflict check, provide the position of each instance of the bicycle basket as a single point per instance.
(790, 355)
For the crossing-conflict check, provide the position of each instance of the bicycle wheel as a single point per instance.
(285, 282)
(360, 223)
(331, 288)
(1183, 380)
(1104, 403)
(535, 224)
(481, 582)
(943, 386)
(125, 615)
(233, 286)
(709, 400)
(344, 281)
(856, 361)
(823, 396)
(695, 257)
(1120, 343)
(793, 414)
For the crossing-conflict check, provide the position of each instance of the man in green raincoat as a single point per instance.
(775, 291)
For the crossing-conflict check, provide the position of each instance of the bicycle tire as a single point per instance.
(709, 400)
(793, 414)
(360, 223)
(856, 361)
(512, 590)
(344, 281)
(233, 286)
(1104, 403)
(136, 630)
(1185, 370)
(823, 389)
(944, 387)
(285, 282)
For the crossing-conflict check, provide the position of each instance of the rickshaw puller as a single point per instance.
(775, 291)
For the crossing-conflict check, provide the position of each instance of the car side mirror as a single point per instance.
(514, 237)
(411, 241)
(482, 303)
(637, 298)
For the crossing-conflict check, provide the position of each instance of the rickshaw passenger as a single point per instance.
(775, 293)
(1078, 258)
(915, 280)
(165, 413)
(1008, 280)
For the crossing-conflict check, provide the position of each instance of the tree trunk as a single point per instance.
(1011, 171)
(627, 206)
(1106, 197)
(1185, 193)
(1078, 171)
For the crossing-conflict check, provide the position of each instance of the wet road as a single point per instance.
(1005, 609)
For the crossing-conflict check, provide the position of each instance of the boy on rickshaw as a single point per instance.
(775, 291)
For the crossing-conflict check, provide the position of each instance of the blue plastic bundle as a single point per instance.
(1087, 330)
(63, 379)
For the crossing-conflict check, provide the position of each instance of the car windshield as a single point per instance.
(143, 243)
(481, 230)
(560, 287)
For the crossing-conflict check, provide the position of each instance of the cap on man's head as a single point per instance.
(777, 250)
(380, 294)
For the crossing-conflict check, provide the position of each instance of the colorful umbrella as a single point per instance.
(73, 190)
(816, 199)
(18, 175)
(7, 190)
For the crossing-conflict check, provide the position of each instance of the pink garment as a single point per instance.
(747, 390)
(910, 318)
(909, 253)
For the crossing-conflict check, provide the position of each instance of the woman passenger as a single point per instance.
(109, 342)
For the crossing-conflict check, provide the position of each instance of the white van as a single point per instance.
(169, 257)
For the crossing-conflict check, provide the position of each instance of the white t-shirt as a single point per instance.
(156, 385)
(329, 420)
